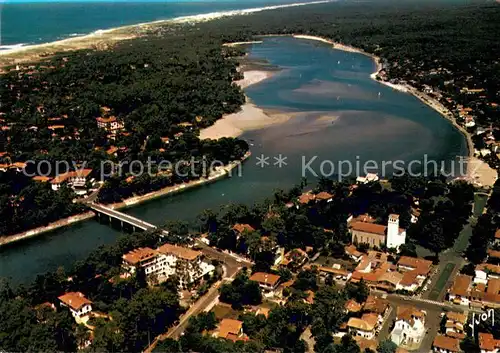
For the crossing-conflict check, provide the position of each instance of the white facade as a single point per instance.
(84, 310)
(481, 277)
(164, 265)
(406, 333)
(463, 300)
(395, 238)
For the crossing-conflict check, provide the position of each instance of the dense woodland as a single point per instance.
(151, 85)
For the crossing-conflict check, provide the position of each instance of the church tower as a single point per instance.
(395, 236)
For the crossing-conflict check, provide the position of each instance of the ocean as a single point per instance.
(35, 23)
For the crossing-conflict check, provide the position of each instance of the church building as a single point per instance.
(363, 229)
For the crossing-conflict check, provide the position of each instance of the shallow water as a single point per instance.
(357, 126)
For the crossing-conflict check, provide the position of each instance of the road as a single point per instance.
(454, 255)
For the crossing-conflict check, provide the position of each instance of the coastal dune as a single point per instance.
(104, 38)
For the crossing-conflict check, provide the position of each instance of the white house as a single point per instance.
(370, 177)
(75, 179)
(409, 327)
(145, 258)
(110, 124)
(78, 305)
(267, 281)
(186, 263)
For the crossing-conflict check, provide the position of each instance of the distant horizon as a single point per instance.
(139, 1)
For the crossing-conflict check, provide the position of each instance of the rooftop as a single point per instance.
(458, 317)
(323, 196)
(368, 227)
(230, 328)
(375, 304)
(360, 324)
(265, 278)
(447, 343)
(242, 227)
(179, 251)
(75, 300)
(138, 255)
(422, 266)
(461, 285)
(487, 342)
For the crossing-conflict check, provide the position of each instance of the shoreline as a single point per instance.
(131, 202)
(249, 117)
(473, 162)
(62, 223)
(19, 53)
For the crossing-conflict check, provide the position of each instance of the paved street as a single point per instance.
(454, 255)
(232, 265)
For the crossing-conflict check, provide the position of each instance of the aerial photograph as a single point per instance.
(261, 176)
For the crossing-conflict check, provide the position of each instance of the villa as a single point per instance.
(267, 281)
(78, 305)
(409, 329)
(189, 265)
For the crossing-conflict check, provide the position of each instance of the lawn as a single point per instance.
(441, 282)
(225, 312)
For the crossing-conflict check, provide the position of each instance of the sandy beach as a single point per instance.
(249, 117)
(103, 39)
(478, 172)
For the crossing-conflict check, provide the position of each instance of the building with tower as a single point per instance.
(364, 230)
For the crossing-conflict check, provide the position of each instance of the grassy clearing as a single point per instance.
(441, 282)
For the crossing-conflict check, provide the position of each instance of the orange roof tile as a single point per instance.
(409, 278)
(229, 327)
(323, 196)
(135, 256)
(352, 306)
(458, 317)
(487, 342)
(407, 313)
(447, 343)
(369, 227)
(75, 300)
(240, 228)
(489, 267)
(265, 278)
(351, 250)
(360, 324)
(375, 304)
(179, 251)
(366, 218)
(305, 198)
(41, 178)
(335, 271)
(106, 120)
(461, 285)
(422, 266)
